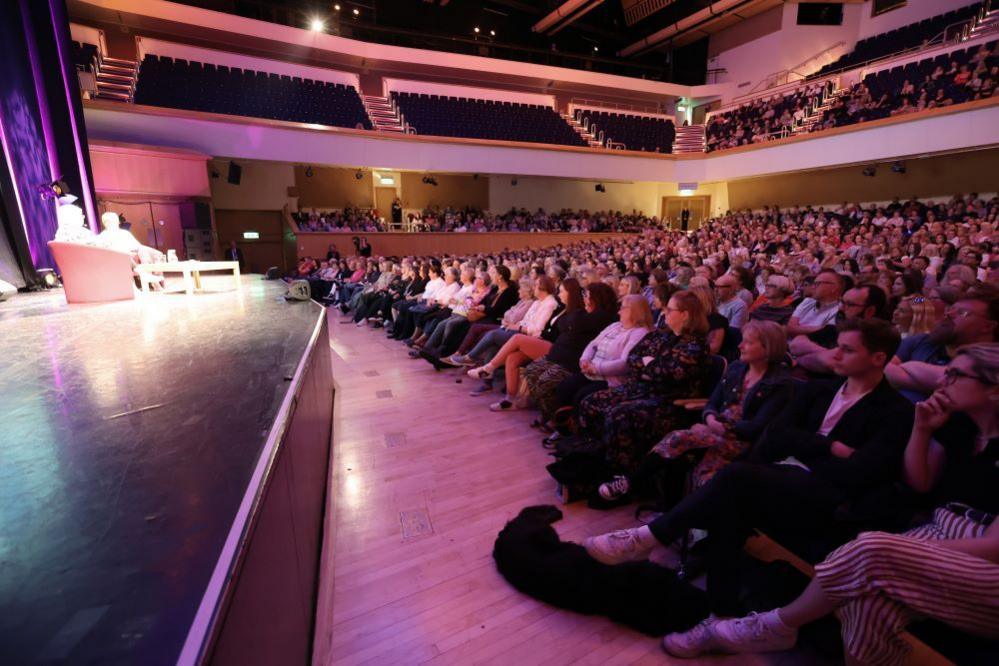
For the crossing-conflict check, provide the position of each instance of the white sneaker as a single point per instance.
(757, 632)
(482, 372)
(693, 642)
(617, 547)
(614, 489)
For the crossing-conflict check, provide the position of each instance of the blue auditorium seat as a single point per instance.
(181, 85)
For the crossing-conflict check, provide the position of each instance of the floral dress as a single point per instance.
(721, 448)
(630, 418)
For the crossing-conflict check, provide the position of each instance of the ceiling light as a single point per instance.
(317, 25)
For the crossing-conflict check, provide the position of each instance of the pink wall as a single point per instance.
(912, 12)
(129, 169)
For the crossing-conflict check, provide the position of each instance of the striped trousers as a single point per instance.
(881, 582)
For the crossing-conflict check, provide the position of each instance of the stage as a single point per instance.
(140, 442)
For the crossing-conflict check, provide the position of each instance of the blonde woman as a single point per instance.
(754, 389)
(717, 324)
(914, 316)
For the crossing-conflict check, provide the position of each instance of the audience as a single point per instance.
(472, 220)
(966, 75)
(870, 308)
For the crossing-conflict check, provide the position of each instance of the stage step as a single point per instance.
(383, 114)
(591, 140)
(689, 139)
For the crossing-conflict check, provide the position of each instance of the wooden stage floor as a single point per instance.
(425, 476)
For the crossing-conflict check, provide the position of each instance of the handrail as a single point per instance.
(616, 105)
(770, 79)
(939, 39)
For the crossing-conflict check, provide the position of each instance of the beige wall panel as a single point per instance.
(931, 177)
(263, 186)
(333, 188)
(451, 190)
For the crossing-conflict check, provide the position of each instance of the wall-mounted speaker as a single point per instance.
(235, 173)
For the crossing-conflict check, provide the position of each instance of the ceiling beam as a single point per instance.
(565, 14)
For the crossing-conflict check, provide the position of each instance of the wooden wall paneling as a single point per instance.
(258, 254)
(926, 178)
(402, 244)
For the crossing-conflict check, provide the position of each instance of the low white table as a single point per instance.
(191, 271)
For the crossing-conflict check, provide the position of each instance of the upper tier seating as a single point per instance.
(950, 78)
(180, 84)
(440, 115)
(654, 135)
(901, 39)
(83, 56)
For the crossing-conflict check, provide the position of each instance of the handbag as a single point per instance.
(475, 315)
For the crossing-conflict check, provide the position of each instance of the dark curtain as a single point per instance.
(41, 125)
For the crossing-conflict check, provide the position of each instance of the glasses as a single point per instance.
(951, 375)
(827, 282)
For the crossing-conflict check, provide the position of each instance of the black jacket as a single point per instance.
(498, 304)
(878, 427)
(575, 331)
(759, 406)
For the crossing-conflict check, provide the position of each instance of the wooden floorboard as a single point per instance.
(424, 477)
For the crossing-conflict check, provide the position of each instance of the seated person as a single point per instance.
(818, 310)
(914, 316)
(835, 441)
(754, 389)
(575, 332)
(454, 326)
(917, 367)
(604, 362)
(522, 348)
(664, 366)
(776, 301)
(814, 352)
(115, 238)
(72, 224)
(946, 569)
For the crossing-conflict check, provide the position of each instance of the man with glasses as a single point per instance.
(836, 441)
(918, 365)
(730, 305)
(815, 352)
(820, 309)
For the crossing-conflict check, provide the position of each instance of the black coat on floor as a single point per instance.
(642, 595)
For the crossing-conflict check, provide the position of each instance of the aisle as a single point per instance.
(425, 476)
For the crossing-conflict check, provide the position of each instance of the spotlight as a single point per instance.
(308, 172)
(49, 278)
(492, 33)
(336, 8)
(599, 187)
(357, 12)
(359, 175)
(475, 30)
(317, 25)
(869, 171)
(898, 167)
(596, 49)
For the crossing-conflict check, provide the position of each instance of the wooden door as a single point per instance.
(699, 208)
(261, 253)
(384, 196)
